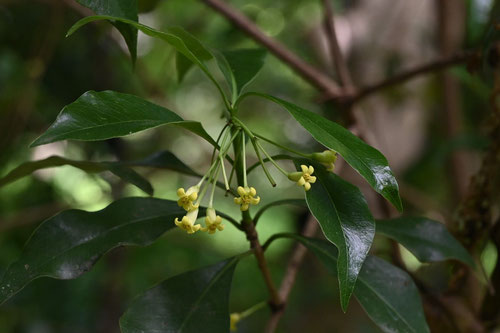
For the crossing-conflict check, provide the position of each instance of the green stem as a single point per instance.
(214, 182)
(252, 309)
(261, 161)
(283, 171)
(244, 157)
(282, 147)
(224, 173)
(244, 127)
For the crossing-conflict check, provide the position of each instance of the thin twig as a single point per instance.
(458, 58)
(275, 300)
(308, 72)
(292, 269)
(336, 54)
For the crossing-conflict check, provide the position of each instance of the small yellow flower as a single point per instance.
(213, 222)
(327, 158)
(234, 319)
(187, 222)
(246, 198)
(186, 199)
(303, 178)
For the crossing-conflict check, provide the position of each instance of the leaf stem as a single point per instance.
(244, 157)
(252, 309)
(282, 147)
(261, 161)
(283, 171)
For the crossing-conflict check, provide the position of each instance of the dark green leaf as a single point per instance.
(196, 301)
(428, 240)
(366, 160)
(390, 297)
(193, 44)
(68, 244)
(345, 220)
(181, 40)
(130, 176)
(121, 171)
(241, 67)
(120, 8)
(387, 294)
(183, 65)
(108, 114)
(164, 160)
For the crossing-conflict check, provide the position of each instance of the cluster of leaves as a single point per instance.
(68, 244)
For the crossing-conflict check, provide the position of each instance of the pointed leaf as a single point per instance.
(387, 294)
(108, 114)
(366, 160)
(390, 297)
(183, 65)
(428, 240)
(120, 8)
(345, 220)
(196, 301)
(181, 40)
(68, 244)
(241, 66)
(125, 173)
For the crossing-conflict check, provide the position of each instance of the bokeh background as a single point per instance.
(41, 71)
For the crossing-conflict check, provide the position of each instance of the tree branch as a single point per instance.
(436, 65)
(305, 70)
(336, 54)
(292, 269)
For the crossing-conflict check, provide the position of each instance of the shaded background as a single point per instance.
(432, 130)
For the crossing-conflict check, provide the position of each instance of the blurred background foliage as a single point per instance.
(41, 71)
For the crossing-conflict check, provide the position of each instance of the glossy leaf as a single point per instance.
(196, 301)
(240, 67)
(387, 294)
(345, 220)
(120, 8)
(428, 240)
(366, 160)
(125, 173)
(108, 114)
(69, 244)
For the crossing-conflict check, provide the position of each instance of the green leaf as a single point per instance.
(67, 245)
(345, 220)
(390, 297)
(181, 40)
(196, 301)
(240, 67)
(366, 160)
(183, 65)
(126, 9)
(164, 160)
(108, 114)
(387, 294)
(428, 240)
(125, 173)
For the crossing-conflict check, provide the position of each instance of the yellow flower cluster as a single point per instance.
(186, 200)
(246, 198)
